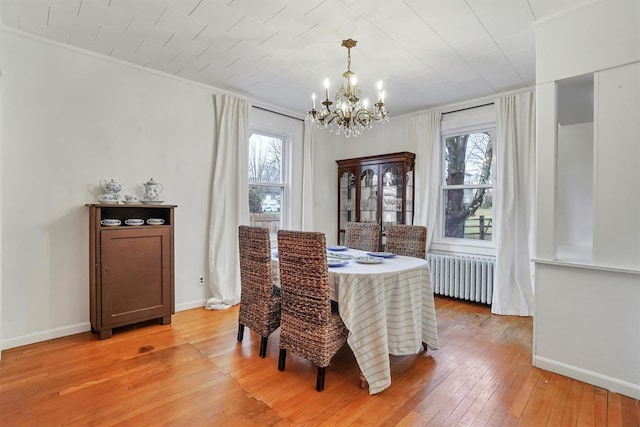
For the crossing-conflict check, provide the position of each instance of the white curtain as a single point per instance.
(229, 198)
(308, 182)
(424, 141)
(514, 203)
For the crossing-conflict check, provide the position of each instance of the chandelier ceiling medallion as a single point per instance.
(350, 114)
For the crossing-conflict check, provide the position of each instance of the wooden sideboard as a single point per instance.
(131, 267)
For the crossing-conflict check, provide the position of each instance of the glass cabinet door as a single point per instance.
(369, 195)
(347, 198)
(392, 192)
(408, 188)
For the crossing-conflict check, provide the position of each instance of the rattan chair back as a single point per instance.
(408, 240)
(259, 306)
(308, 327)
(362, 235)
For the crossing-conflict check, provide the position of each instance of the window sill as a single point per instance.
(471, 249)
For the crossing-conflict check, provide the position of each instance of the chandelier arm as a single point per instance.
(377, 116)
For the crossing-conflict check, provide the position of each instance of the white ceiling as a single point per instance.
(427, 52)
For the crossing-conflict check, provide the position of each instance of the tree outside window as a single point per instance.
(467, 185)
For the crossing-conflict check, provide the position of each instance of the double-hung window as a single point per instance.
(267, 195)
(467, 167)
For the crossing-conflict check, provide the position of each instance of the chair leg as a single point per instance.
(263, 347)
(320, 379)
(282, 359)
(240, 332)
(363, 380)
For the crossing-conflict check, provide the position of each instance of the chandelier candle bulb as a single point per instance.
(313, 101)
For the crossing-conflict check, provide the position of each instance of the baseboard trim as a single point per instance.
(612, 384)
(78, 328)
(49, 334)
(191, 304)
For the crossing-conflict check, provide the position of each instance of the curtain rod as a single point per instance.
(276, 112)
(469, 108)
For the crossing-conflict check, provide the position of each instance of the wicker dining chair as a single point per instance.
(259, 303)
(408, 240)
(362, 235)
(309, 328)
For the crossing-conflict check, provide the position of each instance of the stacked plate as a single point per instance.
(155, 221)
(336, 262)
(382, 254)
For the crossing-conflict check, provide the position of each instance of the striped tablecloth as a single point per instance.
(388, 308)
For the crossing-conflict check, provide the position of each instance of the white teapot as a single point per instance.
(111, 187)
(152, 190)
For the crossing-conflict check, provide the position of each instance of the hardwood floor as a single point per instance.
(194, 373)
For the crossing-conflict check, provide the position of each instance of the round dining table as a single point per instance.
(387, 306)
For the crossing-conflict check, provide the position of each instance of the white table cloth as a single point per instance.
(388, 308)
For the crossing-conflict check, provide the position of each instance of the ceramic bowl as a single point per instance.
(110, 222)
(130, 198)
(134, 221)
(155, 221)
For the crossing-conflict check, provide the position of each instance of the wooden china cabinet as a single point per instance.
(376, 189)
(131, 266)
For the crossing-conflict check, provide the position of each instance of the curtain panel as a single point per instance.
(308, 181)
(424, 141)
(513, 285)
(229, 198)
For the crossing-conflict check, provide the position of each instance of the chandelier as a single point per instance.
(350, 114)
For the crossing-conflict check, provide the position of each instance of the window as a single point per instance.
(467, 187)
(266, 181)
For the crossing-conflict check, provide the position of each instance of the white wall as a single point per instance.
(586, 321)
(597, 36)
(69, 120)
(587, 325)
(616, 234)
(575, 191)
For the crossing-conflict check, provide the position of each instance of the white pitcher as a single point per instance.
(152, 190)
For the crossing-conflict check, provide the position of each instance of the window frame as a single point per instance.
(452, 244)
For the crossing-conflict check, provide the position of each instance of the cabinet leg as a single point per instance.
(166, 320)
(104, 334)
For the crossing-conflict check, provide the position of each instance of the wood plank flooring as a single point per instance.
(194, 373)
